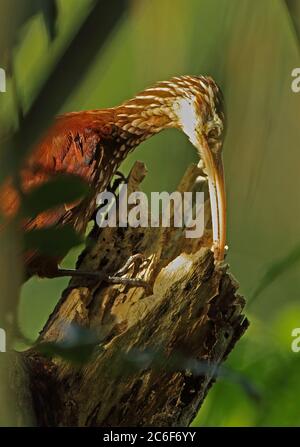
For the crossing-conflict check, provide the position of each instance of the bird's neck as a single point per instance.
(152, 111)
(145, 115)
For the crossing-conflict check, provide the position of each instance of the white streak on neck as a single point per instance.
(188, 118)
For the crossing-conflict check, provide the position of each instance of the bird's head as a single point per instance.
(201, 116)
(193, 104)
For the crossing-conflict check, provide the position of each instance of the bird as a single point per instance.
(92, 145)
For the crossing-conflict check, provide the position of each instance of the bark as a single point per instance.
(143, 371)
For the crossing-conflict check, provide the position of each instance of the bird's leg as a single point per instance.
(121, 176)
(117, 182)
(134, 261)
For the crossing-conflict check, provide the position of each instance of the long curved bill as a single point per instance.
(216, 182)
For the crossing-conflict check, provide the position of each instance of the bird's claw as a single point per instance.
(131, 282)
(136, 261)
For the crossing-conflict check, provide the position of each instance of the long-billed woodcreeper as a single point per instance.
(92, 144)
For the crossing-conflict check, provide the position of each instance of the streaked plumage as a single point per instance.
(92, 145)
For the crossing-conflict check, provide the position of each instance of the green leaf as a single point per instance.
(275, 270)
(52, 241)
(57, 191)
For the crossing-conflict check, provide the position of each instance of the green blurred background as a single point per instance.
(250, 47)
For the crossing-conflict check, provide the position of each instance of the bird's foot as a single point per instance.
(135, 261)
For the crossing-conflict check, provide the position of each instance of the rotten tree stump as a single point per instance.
(194, 312)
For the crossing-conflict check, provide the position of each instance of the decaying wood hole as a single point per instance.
(194, 312)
